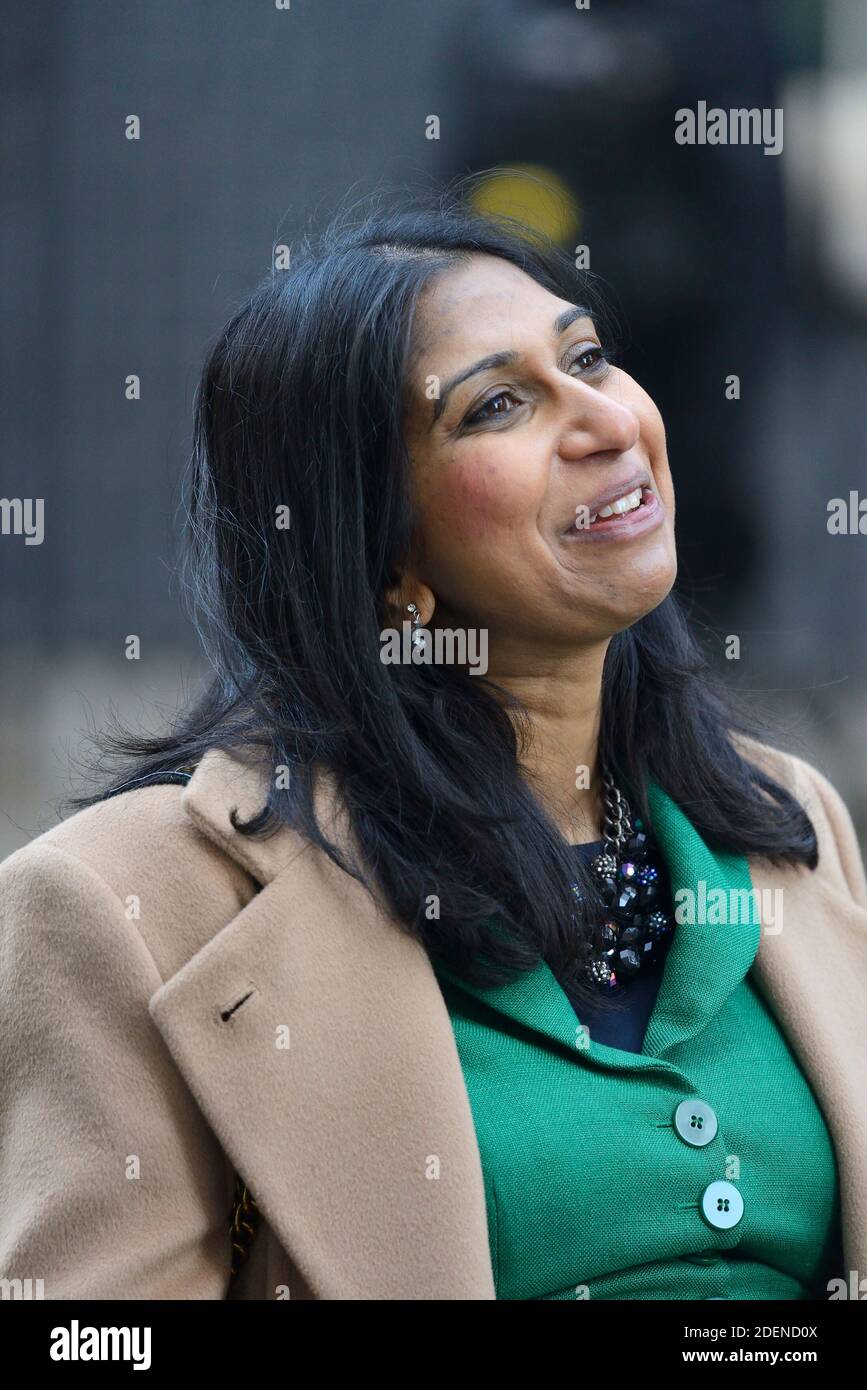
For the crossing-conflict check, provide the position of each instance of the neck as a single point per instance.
(563, 698)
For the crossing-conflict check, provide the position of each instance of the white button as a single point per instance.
(695, 1122)
(722, 1205)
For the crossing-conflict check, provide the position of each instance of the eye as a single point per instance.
(592, 358)
(479, 416)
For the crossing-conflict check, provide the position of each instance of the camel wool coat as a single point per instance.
(163, 1024)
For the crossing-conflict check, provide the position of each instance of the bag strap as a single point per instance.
(244, 1222)
(176, 775)
(244, 1218)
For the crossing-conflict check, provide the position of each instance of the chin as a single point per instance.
(645, 597)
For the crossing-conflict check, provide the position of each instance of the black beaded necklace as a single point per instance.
(633, 880)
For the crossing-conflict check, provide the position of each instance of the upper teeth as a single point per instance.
(622, 504)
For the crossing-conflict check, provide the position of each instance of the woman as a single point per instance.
(424, 964)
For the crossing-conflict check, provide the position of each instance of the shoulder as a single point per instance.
(141, 850)
(839, 851)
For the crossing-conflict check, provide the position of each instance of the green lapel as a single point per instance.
(705, 962)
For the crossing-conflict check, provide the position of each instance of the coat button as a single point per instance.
(695, 1122)
(722, 1205)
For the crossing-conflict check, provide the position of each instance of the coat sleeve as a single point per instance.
(112, 1185)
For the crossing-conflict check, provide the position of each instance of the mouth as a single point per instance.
(628, 513)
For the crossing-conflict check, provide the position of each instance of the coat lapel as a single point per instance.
(315, 1037)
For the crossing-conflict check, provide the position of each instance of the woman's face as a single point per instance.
(508, 459)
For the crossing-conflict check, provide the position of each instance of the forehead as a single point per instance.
(483, 305)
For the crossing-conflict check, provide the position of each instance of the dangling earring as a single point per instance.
(417, 637)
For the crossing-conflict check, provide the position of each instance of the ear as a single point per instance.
(410, 590)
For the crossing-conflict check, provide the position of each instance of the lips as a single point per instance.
(624, 521)
(615, 495)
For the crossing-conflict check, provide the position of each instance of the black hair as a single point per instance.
(299, 407)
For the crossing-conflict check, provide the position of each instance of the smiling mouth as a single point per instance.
(631, 513)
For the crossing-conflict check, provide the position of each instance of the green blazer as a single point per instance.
(699, 1168)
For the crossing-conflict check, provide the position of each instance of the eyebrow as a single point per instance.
(503, 359)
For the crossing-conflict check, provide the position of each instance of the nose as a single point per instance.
(597, 424)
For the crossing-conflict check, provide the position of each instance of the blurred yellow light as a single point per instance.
(534, 195)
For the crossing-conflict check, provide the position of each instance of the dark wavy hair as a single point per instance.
(300, 405)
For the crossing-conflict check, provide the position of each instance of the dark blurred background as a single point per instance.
(124, 257)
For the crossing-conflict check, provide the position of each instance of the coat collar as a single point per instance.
(336, 1088)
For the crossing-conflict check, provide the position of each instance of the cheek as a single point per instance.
(476, 497)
